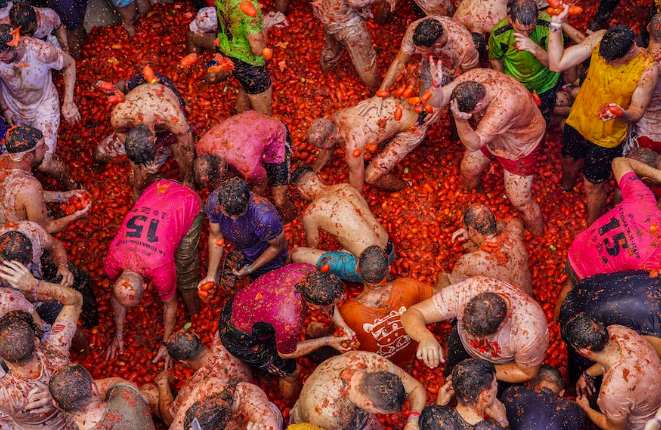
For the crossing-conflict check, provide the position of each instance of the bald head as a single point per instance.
(128, 289)
(323, 133)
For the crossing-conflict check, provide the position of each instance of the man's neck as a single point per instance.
(470, 414)
(654, 46)
(203, 360)
(91, 417)
(31, 370)
(610, 355)
(20, 165)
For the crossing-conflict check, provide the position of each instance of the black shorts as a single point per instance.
(253, 79)
(279, 173)
(257, 349)
(597, 166)
(548, 99)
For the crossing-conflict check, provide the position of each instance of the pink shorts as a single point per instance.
(522, 167)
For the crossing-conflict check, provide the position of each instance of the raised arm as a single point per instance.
(621, 166)
(561, 59)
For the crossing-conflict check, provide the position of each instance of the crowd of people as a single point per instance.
(505, 70)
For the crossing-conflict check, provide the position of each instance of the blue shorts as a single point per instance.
(344, 265)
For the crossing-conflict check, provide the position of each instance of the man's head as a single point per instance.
(9, 39)
(25, 144)
(234, 196)
(474, 383)
(305, 181)
(479, 223)
(484, 314)
(213, 411)
(587, 335)
(23, 16)
(373, 265)
(321, 289)
(73, 388)
(523, 16)
(617, 45)
(140, 145)
(645, 156)
(654, 27)
(128, 289)
(380, 393)
(471, 97)
(428, 35)
(18, 338)
(209, 169)
(185, 347)
(323, 134)
(547, 377)
(15, 246)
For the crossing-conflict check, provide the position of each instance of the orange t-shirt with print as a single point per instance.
(380, 329)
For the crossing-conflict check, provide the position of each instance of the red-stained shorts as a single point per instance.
(522, 167)
(646, 142)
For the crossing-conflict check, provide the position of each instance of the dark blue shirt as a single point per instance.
(436, 417)
(540, 410)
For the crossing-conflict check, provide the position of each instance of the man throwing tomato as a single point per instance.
(157, 242)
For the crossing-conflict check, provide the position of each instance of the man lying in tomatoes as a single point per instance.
(253, 146)
(496, 252)
(342, 212)
(360, 128)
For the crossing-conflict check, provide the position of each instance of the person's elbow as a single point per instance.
(75, 300)
(529, 372)
(411, 318)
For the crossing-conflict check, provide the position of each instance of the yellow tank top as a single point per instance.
(606, 84)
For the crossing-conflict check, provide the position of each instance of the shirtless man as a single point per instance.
(438, 36)
(346, 391)
(495, 322)
(187, 349)
(21, 195)
(39, 22)
(375, 314)
(510, 130)
(630, 368)
(157, 242)
(480, 16)
(150, 122)
(501, 255)
(99, 404)
(24, 395)
(345, 28)
(256, 146)
(647, 130)
(227, 404)
(29, 97)
(361, 128)
(343, 213)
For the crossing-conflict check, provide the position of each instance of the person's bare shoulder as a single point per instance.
(514, 228)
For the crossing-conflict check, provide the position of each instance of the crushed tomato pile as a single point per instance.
(420, 219)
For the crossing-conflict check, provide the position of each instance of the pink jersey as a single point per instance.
(151, 232)
(245, 141)
(523, 338)
(624, 238)
(630, 389)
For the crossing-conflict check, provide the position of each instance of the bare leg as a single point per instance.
(191, 301)
(290, 386)
(570, 168)
(519, 191)
(242, 101)
(595, 195)
(472, 166)
(128, 14)
(261, 102)
(307, 255)
(398, 148)
(284, 204)
(54, 167)
(363, 57)
(331, 53)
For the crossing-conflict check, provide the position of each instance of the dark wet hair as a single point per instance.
(140, 145)
(645, 156)
(321, 289)
(470, 378)
(6, 36)
(16, 246)
(299, 172)
(427, 33)
(17, 334)
(385, 390)
(617, 41)
(483, 314)
(213, 412)
(71, 388)
(24, 16)
(481, 218)
(234, 196)
(184, 345)
(22, 138)
(524, 12)
(468, 95)
(373, 264)
(320, 131)
(547, 374)
(212, 164)
(584, 332)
